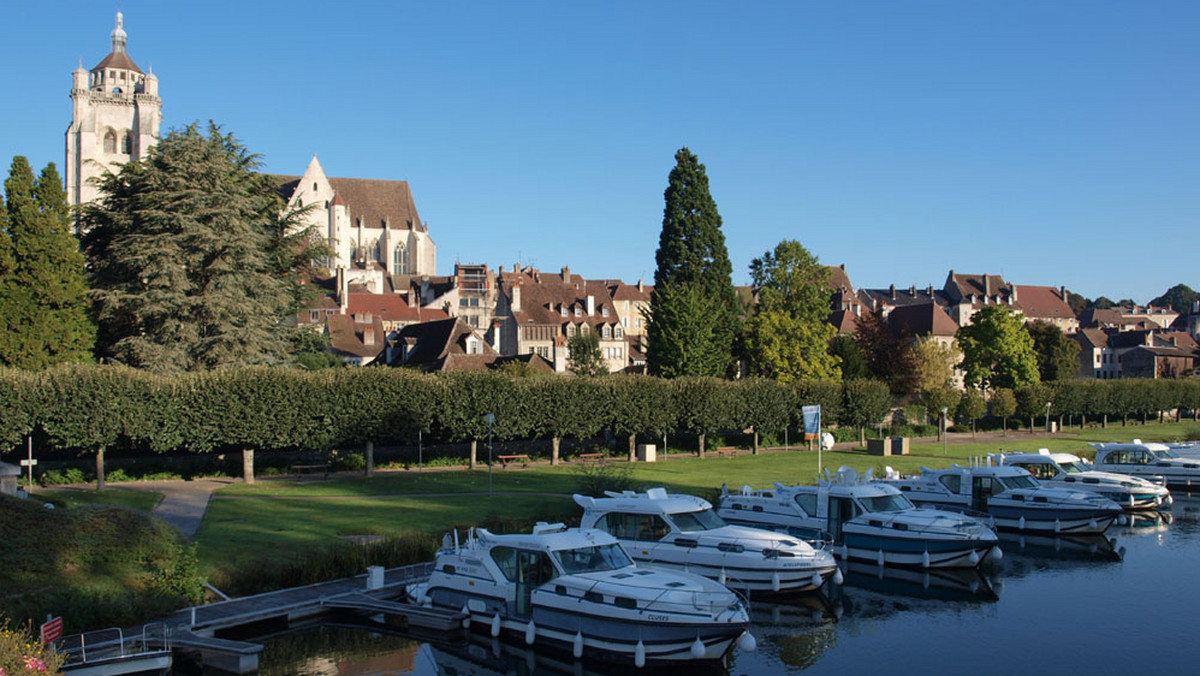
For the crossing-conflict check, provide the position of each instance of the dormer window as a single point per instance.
(604, 311)
(618, 332)
(570, 330)
(562, 309)
(607, 332)
(578, 312)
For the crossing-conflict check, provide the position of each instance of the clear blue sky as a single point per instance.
(1053, 142)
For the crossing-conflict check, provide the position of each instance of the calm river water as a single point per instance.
(1119, 604)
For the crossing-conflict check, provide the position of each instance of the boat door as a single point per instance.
(841, 510)
(533, 570)
(982, 488)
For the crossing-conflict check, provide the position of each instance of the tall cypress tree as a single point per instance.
(691, 260)
(180, 246)
(43, 292)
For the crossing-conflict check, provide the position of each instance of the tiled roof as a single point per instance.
(1091, 337)
(349, 337)
(928, 319)
(1043, 302)
(434, 342)
(117, 60)
(390, 307)
(961, 287)
(541, 303)
(844, 321)
(372, 200)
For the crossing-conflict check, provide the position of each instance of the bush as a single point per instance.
(21, 652)
(348, 462)
(593, 478)
(62, 477)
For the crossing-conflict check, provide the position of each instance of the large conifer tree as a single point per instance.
(184, 261)
(692, 262)
(43, 293)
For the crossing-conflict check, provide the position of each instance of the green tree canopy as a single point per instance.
(887, 352)
(997, 350)
(933, 363)
(184, 258)
(585, 356)
(1179, 298)
(788, 336)
(691, 253)
(43, 292)
(1057, 354)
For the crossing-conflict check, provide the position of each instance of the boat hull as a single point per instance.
(804, 578)
(911, 552)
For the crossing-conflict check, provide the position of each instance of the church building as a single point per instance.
(115, 120)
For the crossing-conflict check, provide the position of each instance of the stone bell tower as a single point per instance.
(116, 114)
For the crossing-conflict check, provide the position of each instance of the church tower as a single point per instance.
(116, 116)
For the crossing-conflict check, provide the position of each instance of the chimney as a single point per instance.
(342, 290)
(369, 336)
(1062, 291)
(641, 289)
(516, 298)
(566, 273)
(892, 290)
(912, 291)
(591, 305)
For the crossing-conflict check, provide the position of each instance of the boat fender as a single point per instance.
(775, 581)
(721, 578)
(1131, 500)
(997, 554)
(838, 578)
(1021, 523)
(974, 557)
(845, 551)
(530, 633)
(747, 643)
(639, 655)
(466, 622)
(925, 559)
(698, 649)
(1057, 526)
(1093, 524)
(816, 581)
(496, 624)
(577, 646)
(925, 580)
(879, 558)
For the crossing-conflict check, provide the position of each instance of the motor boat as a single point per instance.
(1065, 469)
(1148, 461)
(577, 590)
(682, 532)
(1011, 497)
(865, 521)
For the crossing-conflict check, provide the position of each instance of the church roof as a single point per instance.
(118, 60)
(374, 201)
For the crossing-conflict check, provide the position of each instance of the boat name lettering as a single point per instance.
(657, 618)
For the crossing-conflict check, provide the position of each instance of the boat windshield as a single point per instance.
(1165, 455)
(592, 559)
(690, 522)
(886, 503)
(1011, 482)
(1073, 467)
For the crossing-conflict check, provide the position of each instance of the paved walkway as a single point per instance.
(184, 502)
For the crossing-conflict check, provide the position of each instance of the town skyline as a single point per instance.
(880, 137)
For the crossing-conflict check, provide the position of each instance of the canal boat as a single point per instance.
(1065, 469)
(577, 590)
(1148, 461)
(865, 521)
(682, 532)
(1011, 497)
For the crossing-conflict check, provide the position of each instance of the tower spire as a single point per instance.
(118, 35)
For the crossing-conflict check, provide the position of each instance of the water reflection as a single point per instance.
(1086, 548)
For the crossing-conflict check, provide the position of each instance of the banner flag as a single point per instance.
(812, 422)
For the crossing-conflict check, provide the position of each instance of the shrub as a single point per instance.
(593, 478)
(62, 477)
(348, 462)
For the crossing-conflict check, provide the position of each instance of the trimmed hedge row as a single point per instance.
(90, 408)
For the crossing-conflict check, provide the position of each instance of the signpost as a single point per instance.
(30, 463)
(52, 629)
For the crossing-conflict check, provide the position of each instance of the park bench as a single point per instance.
(312, 464)
(505, 459)
(725, 451)
(596, 457)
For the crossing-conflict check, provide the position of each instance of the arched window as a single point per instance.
(110, 142)
(126, 144)
(400, 259)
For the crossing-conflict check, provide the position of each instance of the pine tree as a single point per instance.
(43, 293)
(184, 264)
(692, 254)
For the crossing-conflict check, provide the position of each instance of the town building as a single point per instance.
(115, 116)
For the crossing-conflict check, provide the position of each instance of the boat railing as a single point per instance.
(708, 602)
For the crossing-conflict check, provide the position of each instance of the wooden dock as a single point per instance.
(378, 593)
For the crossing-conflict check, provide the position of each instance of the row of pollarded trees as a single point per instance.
(92, 408)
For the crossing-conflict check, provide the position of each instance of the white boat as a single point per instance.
(1148, 461)
(866, 521)
(682, 532)
(1012, 498)
(576, 590)
(1065, 469)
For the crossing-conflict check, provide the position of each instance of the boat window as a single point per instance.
(592, 559)
(1011, 482)
(623, 526)
(1073, 467)
(729, 547)
(952, 482)
(623, 602)
(1040, 470)
(689, 522)
(1165, 455)
(532, 568)
(807, 502)
(506, 561)
(886, 503)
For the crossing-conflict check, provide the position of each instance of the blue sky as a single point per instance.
(1052, 142)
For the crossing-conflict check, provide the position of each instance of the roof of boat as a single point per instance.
(548, 537)
(1136, 444)
(1045, 457)
(653, 501)
(993, 470)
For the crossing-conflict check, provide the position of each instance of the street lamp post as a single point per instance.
(1048, 418)
(490, 418)
(945, 429)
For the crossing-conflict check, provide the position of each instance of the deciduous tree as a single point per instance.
(997, 350)
(585, 356)
(1057, 355)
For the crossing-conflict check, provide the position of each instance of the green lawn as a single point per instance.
(142, 501)
(277, 517)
